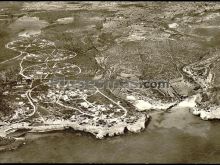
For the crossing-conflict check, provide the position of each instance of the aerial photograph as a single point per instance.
(109, 82)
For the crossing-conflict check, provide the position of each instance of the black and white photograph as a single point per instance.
(110, 82)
